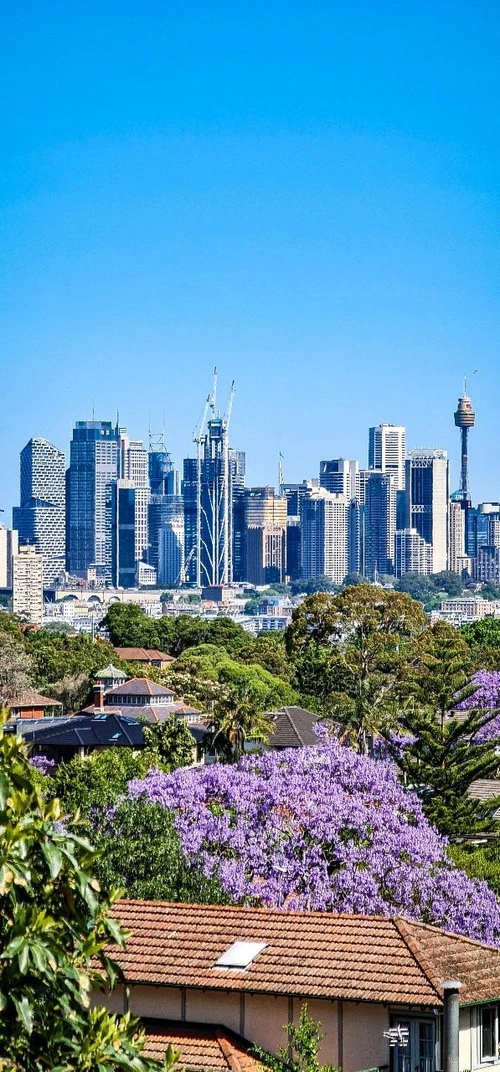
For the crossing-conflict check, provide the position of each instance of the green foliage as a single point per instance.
(355, 642)
(142, 855)
(15, 665)
(352, 578)
(321, 583)
(444, 759)
(210, 664)
(236, 719)
(129, 626)
(169, 744)
(448, 582)
(268, 650)
(54, 927)
(97, 782)
(419, 587)
(479, 861)
(490, 590)
(301, 1052)
(57, 656)
(484, 633)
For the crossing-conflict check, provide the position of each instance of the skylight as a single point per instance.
(240, 954)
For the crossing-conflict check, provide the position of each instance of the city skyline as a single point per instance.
(304, 195)
(269, 476)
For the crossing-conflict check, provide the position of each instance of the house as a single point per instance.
(138, 696)
(293, 728)
(78, 735)
(63, 738)
(31, 704)
(145, 655)
(201, 972)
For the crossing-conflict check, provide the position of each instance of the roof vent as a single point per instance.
(240, 954)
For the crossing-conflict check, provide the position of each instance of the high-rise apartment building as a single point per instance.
(456, 535)
(387, 451)
(427, 497)
(324, 535)
(171, 543)
(93, 470)
(40, 518)
(340, 476)
(8, 548)
(265, 536)
(379, 524)
(27, 585)
(411, 553)
(212, 487)
(134, 468)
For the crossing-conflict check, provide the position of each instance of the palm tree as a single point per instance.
(236, 719)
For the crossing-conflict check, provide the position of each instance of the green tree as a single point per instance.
(95, 783)
(443, 757)
(352, 578)
(54, 928)
(490, 590)
(360, 635)
(268, 650)
(301, 1054)
(130, 627)
(56, 656)
(484, 633)
(419, 587)
(321, 583)
(479, 861)
(235, 720)
(141, 852)
(16, 668)
(449, 582)
(169, 744)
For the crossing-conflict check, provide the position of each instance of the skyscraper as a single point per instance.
(387, 451)
(380, 523)
(340, 476)
(456, 535)
(8, 548)
(133, 468)
(27, 585)
(427, 495)
(40, 517)
(411, 553)
(324, 535)
(93, 469)
(171, 542)
(265, 536)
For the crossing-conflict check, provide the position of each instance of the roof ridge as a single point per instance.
(435, 928)
(256, 908)
(421, 959)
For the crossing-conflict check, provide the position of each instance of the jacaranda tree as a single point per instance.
(321, 828)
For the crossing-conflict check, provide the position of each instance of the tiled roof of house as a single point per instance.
(485, 788)
(204, 1047)
(138, 686)
(293, 728)
(306, 954)
(30, 698)
(74, 731)
(143, 655)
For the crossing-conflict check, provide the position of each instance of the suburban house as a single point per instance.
(388, 993)
(138, 696)
(64, 737)
(31, 704)
(293, 728)
(145, 655)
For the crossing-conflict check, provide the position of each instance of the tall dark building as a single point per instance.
(123, 568)
(162, 485)
(380, 523)
(189, 489)
(93, 469)
(40, 517)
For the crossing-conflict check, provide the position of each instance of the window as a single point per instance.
(488, 1033)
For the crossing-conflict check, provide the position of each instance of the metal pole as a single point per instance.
(451, 1011)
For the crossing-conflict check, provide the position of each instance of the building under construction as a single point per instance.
(209, 485)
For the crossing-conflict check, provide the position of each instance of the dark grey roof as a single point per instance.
(76, 731)
(137, 686)
(294, 728)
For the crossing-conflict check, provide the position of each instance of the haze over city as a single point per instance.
(309, 202)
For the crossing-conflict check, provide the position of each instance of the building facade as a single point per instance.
(27, 585)
(324, 535)
(265, 524)
(387, 451)
(171, 571)
(93, 470)
(8, 548)
(379, 524)
(40, 519)
(427, 498)
(412, 554)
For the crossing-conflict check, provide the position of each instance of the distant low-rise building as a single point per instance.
(27, 585)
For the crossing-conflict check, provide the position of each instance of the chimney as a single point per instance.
(451, 1010)
(98, 696)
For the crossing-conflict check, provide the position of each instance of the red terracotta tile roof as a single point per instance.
(307, 954)
(30, 698)
(204, 1047)
(144, 655)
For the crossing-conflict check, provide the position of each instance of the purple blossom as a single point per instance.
(42, 764)
(486, 695)
(321, 828)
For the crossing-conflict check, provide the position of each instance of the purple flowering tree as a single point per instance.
(486, 697)
(321, 828)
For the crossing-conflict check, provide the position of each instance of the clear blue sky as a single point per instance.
(306, 194)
